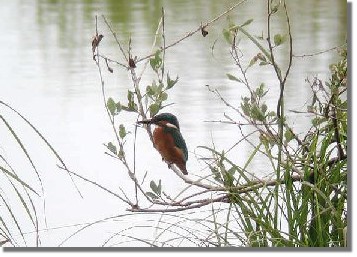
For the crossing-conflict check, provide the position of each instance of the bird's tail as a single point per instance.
(182, 167)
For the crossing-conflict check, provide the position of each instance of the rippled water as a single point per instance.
(47, 73)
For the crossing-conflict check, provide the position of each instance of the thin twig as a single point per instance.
(319, 52)
(195, 30)
(184, 208)
(116, 39)
(96, 184)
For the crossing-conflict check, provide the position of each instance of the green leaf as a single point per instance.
(163, 96)
(253, 61)
(160, 88)
(288, 135)
(263, 63)
(234, 78)
(245, 105)
(278, 39)
(152, 195)
(132, 107)
(264, 108)
(227, 34)
(170, 82)
(111, 106)
(14, 176)
(118, 107)
(153, 186)
(228, 179)
(153, 64)
(271, 114)
(156, 62)
(130, 96)
(247, 23)
(260, 46)
(257, 114)
(232, 170)
(260, 90)
(154, 109)
(156, 188)
(317, 121)
(111, 147)
(150, 91)
(159, 187)
(121, 154)
(264, 140)
(122, 131)
(261, 57)
(216, 174)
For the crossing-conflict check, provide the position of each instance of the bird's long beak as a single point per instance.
(149, 121)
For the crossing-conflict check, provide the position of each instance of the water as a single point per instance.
(47, 73)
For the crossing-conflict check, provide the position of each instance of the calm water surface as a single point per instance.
(47, 73)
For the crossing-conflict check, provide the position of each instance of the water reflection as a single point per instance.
(48, 74)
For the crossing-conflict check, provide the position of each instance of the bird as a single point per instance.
(168, 140)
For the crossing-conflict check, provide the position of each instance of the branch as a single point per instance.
(319, 52)
(194, 31)
(116, 39)
(96, 184)
(198, 204)
(252, 186)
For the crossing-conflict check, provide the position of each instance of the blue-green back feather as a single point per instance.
(178, 140)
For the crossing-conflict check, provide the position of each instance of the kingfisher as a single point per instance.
(168, 140)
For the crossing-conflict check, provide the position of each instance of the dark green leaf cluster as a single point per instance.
(311, 176)
(220, 172)
(116, 107)
(334, 111)
(156, 61)
(255, 109)
(156, 93)
(322, 201)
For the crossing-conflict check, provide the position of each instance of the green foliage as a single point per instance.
(156, 62)
(326, 163)
(112, 148)
(132, 106)
(302, 202)
(254, 108)
(315, 210)
(234, 29)
(155, 190)
(247, 22)
(288, 135)
(227, 34)
(310, 188)
(279, 39)
(122, 131)
(170, 82)
(111, 106)
(157, 95)
(234, 78)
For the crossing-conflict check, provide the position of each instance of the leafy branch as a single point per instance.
(305, 177)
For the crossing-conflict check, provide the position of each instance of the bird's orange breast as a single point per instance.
(165, 144)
